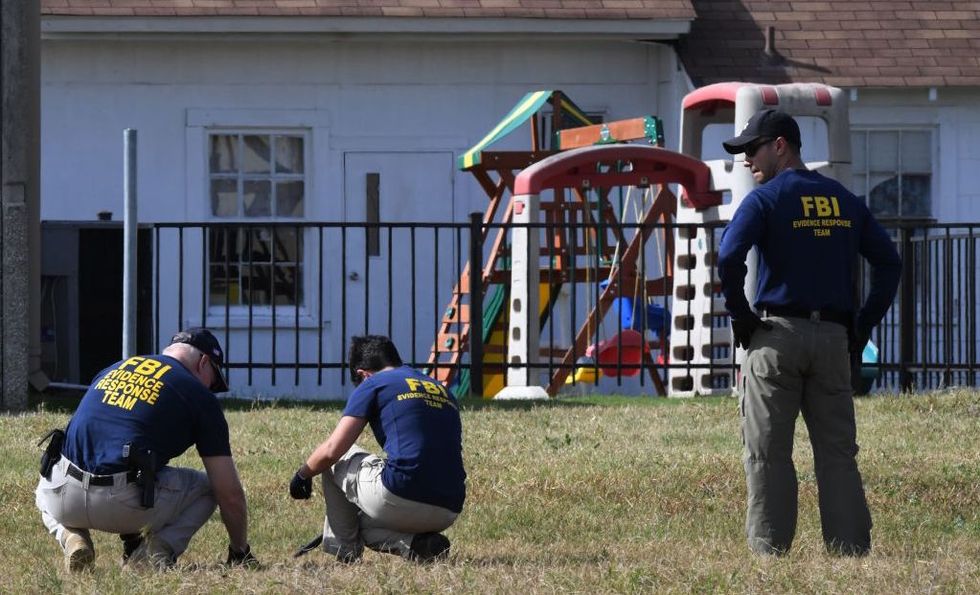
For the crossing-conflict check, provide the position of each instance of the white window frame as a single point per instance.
(866, 130)
(312, 125)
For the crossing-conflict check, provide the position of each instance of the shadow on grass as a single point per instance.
(320, 561)
(55, 401)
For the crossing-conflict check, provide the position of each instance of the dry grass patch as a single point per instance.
(582, 495)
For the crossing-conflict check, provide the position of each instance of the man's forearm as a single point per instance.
(319, 461)
(335, 446)
(234, 515)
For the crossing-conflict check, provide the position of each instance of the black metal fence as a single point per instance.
(285, 298)
(929, 338)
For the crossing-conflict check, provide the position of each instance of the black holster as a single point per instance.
(52, 452)
(144, 462)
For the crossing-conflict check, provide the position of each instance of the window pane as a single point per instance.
(916, 152)
(883, 151)
(289, 199)
(255, 159)
(289, 154)
(286, 245)
(223, 282)
(224, 197)
(257, 198)
(257, 284)
(858, 154)
(261, 246)
(286, 284)
(223, 245)
(217, 274)
(223, 152)
(884, 196)
(916, 195)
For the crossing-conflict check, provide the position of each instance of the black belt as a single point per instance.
(834, 316)
(97, 480)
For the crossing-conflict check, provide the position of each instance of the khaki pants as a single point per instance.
(797, 366)
(361, 511)
(183, 503)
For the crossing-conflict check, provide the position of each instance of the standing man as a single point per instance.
(808, 230)
(111, 472)
(397, 505)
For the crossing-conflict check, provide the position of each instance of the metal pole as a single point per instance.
(129, 244)
(476, 305)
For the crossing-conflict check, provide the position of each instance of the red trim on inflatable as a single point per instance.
(822, 95)
(650, 165)
(769, 96)
(708, 97)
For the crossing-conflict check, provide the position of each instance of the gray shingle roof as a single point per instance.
(849, 43)
(891, 43)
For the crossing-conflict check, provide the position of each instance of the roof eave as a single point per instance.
(626, 29)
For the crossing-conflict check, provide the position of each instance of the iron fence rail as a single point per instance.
(286, 309)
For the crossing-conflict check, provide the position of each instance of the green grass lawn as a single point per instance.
(579, 495)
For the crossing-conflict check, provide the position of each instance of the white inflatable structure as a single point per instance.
(701, 334)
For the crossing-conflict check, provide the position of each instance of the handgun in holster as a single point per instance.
(144, 462)
(52, 452)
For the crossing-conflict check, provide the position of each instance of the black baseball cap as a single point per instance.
(208, 344)
(768, 124)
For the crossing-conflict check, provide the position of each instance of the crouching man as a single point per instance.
(109, 470)
(397, 505)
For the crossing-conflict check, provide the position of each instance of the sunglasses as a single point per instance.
(752, 149)
(215, 370)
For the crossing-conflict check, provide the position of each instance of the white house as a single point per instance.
(286, 111)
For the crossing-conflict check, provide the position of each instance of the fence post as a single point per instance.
(907, 314)
(476, 305)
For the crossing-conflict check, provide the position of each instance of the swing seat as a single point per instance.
(583, 375)
(629, 313)
(658, 321)
(626, 347)
(585, 372)
(623, 307)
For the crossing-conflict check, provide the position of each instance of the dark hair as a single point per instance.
(371, 353)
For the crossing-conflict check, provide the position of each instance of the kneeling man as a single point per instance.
(400, 504)
(109, 470)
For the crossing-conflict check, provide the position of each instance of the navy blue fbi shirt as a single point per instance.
(809, 230)
(416, 421)
(152, 402)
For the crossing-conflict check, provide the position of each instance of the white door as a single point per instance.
(399, 281)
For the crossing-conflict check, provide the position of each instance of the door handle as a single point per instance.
(353, 276)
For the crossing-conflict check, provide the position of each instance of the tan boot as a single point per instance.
(79, 551)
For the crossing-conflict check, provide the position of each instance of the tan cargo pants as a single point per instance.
(800, 365)
(361, 511)
(183, 503)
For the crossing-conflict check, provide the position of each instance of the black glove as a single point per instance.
(243, 558)
(744, 328)
(856, 340)
(300, 488)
